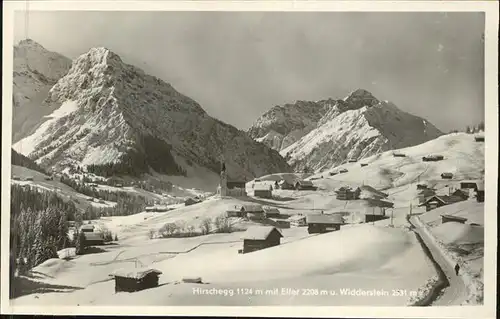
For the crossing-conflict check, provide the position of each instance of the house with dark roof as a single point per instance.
(469, 184)
(262, 190)
(436, 201)
(271, 212)
(135, 279)
(446, 175)
(260, 237)
(373, 214)
(304, 185)
(321, 223)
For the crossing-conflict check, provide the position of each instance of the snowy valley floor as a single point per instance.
(360, 256)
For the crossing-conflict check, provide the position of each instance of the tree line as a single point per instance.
(21, 160)
(38, 227)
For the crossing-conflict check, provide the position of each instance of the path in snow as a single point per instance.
(456, 292)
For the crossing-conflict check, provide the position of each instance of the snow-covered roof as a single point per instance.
(296, 217)
(325, 219)
(268, 209)
(260, 232)
(87, 226)
(252, 208)
(305, 183)
(262, 187)
(136, 273)
(93, 236)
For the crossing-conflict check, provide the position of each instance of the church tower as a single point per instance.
(223, 180)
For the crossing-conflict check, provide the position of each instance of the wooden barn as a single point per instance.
(298, 220)
(333, 173)
(436, 201)
(447, 175)
(352, 160)
(260, 237)
(479, 138)
(271, 212)
(135, 279)
(262, 191)
(304, 185)
(424, 194)
(320, 223)
(347, 193)
(451, 218)
(364, 164)
(253, 211)
(343, 170)
(94, 238)
(373, 214)
(398, 155)
(157, 208)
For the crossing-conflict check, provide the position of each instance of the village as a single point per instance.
(272, 217)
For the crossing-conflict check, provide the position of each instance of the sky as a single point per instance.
(238, 65)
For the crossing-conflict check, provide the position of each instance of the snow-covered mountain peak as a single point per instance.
(112, 116)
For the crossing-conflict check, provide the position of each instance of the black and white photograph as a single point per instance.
(249, 158)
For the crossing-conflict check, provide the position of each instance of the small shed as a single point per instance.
(352, 160)
(363, 164)
(447, 175)
(263, 191)
(135, 279)
(29, 178)
(451, 218)
(398, 154)
(271, 212)
(94, 238)
(321, 223)
(421, 186)
(260, 237)
(298, 220)
(252, 208)
(432, 158)
(479, 138)
(304, 185)
(343, 170)
(333, 173)
(87, 228)
(192, 201)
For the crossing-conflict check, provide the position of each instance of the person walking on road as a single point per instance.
(457, 268)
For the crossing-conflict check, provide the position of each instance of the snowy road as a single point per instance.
(456, 292)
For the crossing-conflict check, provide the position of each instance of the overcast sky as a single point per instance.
(238, 65)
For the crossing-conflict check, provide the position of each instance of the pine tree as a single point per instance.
(468, 130)
(81, 244)
(116, 237)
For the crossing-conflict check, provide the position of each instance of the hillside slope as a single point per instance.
(115, 119)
